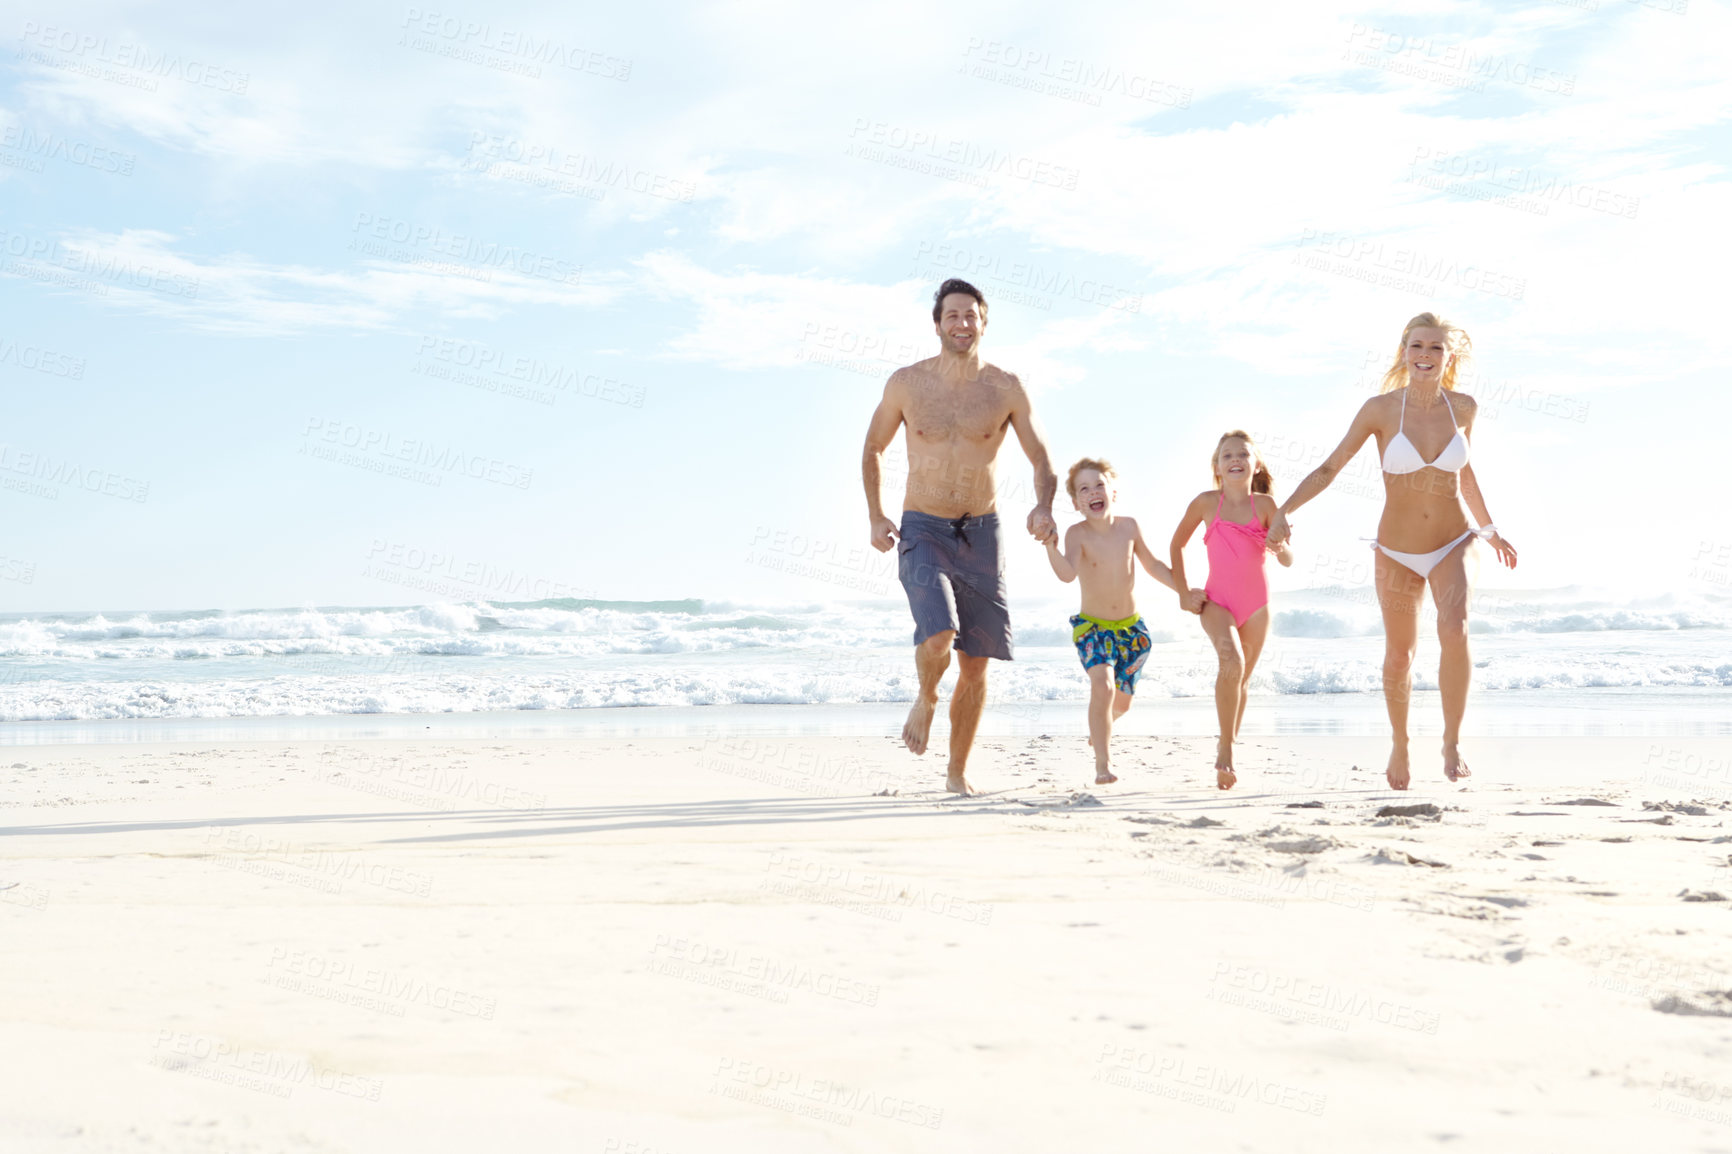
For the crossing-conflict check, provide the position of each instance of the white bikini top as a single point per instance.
(1401, 456)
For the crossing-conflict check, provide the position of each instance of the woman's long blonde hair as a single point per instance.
(1262, 481)
(1455, 339)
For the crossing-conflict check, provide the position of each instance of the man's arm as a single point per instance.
(886, 419)
(1040, 522)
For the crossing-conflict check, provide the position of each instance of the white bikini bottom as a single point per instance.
(1422, 563)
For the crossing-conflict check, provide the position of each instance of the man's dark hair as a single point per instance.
(955, 285)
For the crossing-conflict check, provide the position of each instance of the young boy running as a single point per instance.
(1109, 636)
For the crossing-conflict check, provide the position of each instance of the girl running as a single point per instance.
(1235, 601)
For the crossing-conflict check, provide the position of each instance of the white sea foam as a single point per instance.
(571, 654)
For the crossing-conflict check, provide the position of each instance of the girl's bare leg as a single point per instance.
(1101, 721)
(1398, 592)
(1252, 634)
(1452, 589)
(1218, 624)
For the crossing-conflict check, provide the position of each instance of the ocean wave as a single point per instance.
(1354, 613)
(881, 677)
(577, 627)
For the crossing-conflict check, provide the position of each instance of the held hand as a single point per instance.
(883, 534)
(1279, 530)
(1505, 551)
(1195, 600)
(1040, 523)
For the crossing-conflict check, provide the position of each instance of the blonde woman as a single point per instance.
(1423, 427)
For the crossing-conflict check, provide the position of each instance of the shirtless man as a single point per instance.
(956, 408)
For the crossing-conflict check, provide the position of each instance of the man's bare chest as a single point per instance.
(977, 414)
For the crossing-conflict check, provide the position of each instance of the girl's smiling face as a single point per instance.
(1233, 461)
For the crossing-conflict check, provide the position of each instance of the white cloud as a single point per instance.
(141, 269)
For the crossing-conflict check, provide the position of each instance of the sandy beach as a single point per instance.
(674, 945)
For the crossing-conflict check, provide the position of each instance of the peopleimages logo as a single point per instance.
(971, 159)
(466, 249)
(40, 360)
(91, 51)
(64, 471)
(323, 438)
(48, 146)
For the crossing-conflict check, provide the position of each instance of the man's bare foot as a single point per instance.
(958, 783)
(1225, 778)
(1454, 765)
(1104, 776)
(919, 725)
(1398, 773)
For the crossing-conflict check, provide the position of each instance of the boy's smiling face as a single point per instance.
(1094, 494)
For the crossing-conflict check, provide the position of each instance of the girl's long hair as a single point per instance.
(1262, 481)
(1455, 339)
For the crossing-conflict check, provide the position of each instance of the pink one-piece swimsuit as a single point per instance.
(1237, 581)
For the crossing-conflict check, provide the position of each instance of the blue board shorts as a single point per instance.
(1125, 649)
(953, 572)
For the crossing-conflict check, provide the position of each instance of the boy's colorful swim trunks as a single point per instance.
(1125, 644)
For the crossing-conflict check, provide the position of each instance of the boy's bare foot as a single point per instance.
(1104, 776)
(1398, 773)
(958, 783)
(1225, 778)
(919, 725)
(1454, 766)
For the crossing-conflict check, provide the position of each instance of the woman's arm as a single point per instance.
(1194, 513)
(1268, 510)
(1364, 425)
(1482, 516)
(1470, 492)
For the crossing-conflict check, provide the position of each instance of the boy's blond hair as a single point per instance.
(1104, 468)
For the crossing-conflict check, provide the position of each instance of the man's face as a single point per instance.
(960, 324)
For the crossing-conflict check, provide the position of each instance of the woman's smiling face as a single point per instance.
(1426, 355)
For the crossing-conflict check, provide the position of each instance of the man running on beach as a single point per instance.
(956, 408)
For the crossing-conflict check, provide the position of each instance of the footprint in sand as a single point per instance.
(1707, 1004)
(1424, 809)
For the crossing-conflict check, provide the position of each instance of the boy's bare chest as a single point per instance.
(976, 412)
(1106, 551)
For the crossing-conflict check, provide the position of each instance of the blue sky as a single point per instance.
(325, 304)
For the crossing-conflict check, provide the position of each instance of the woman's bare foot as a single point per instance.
(1225, 778)
(1104, 775)
(1398, 773)
(1454, 765)
(919, 725)
(958, 783)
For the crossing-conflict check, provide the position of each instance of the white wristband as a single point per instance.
(1487, 531)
